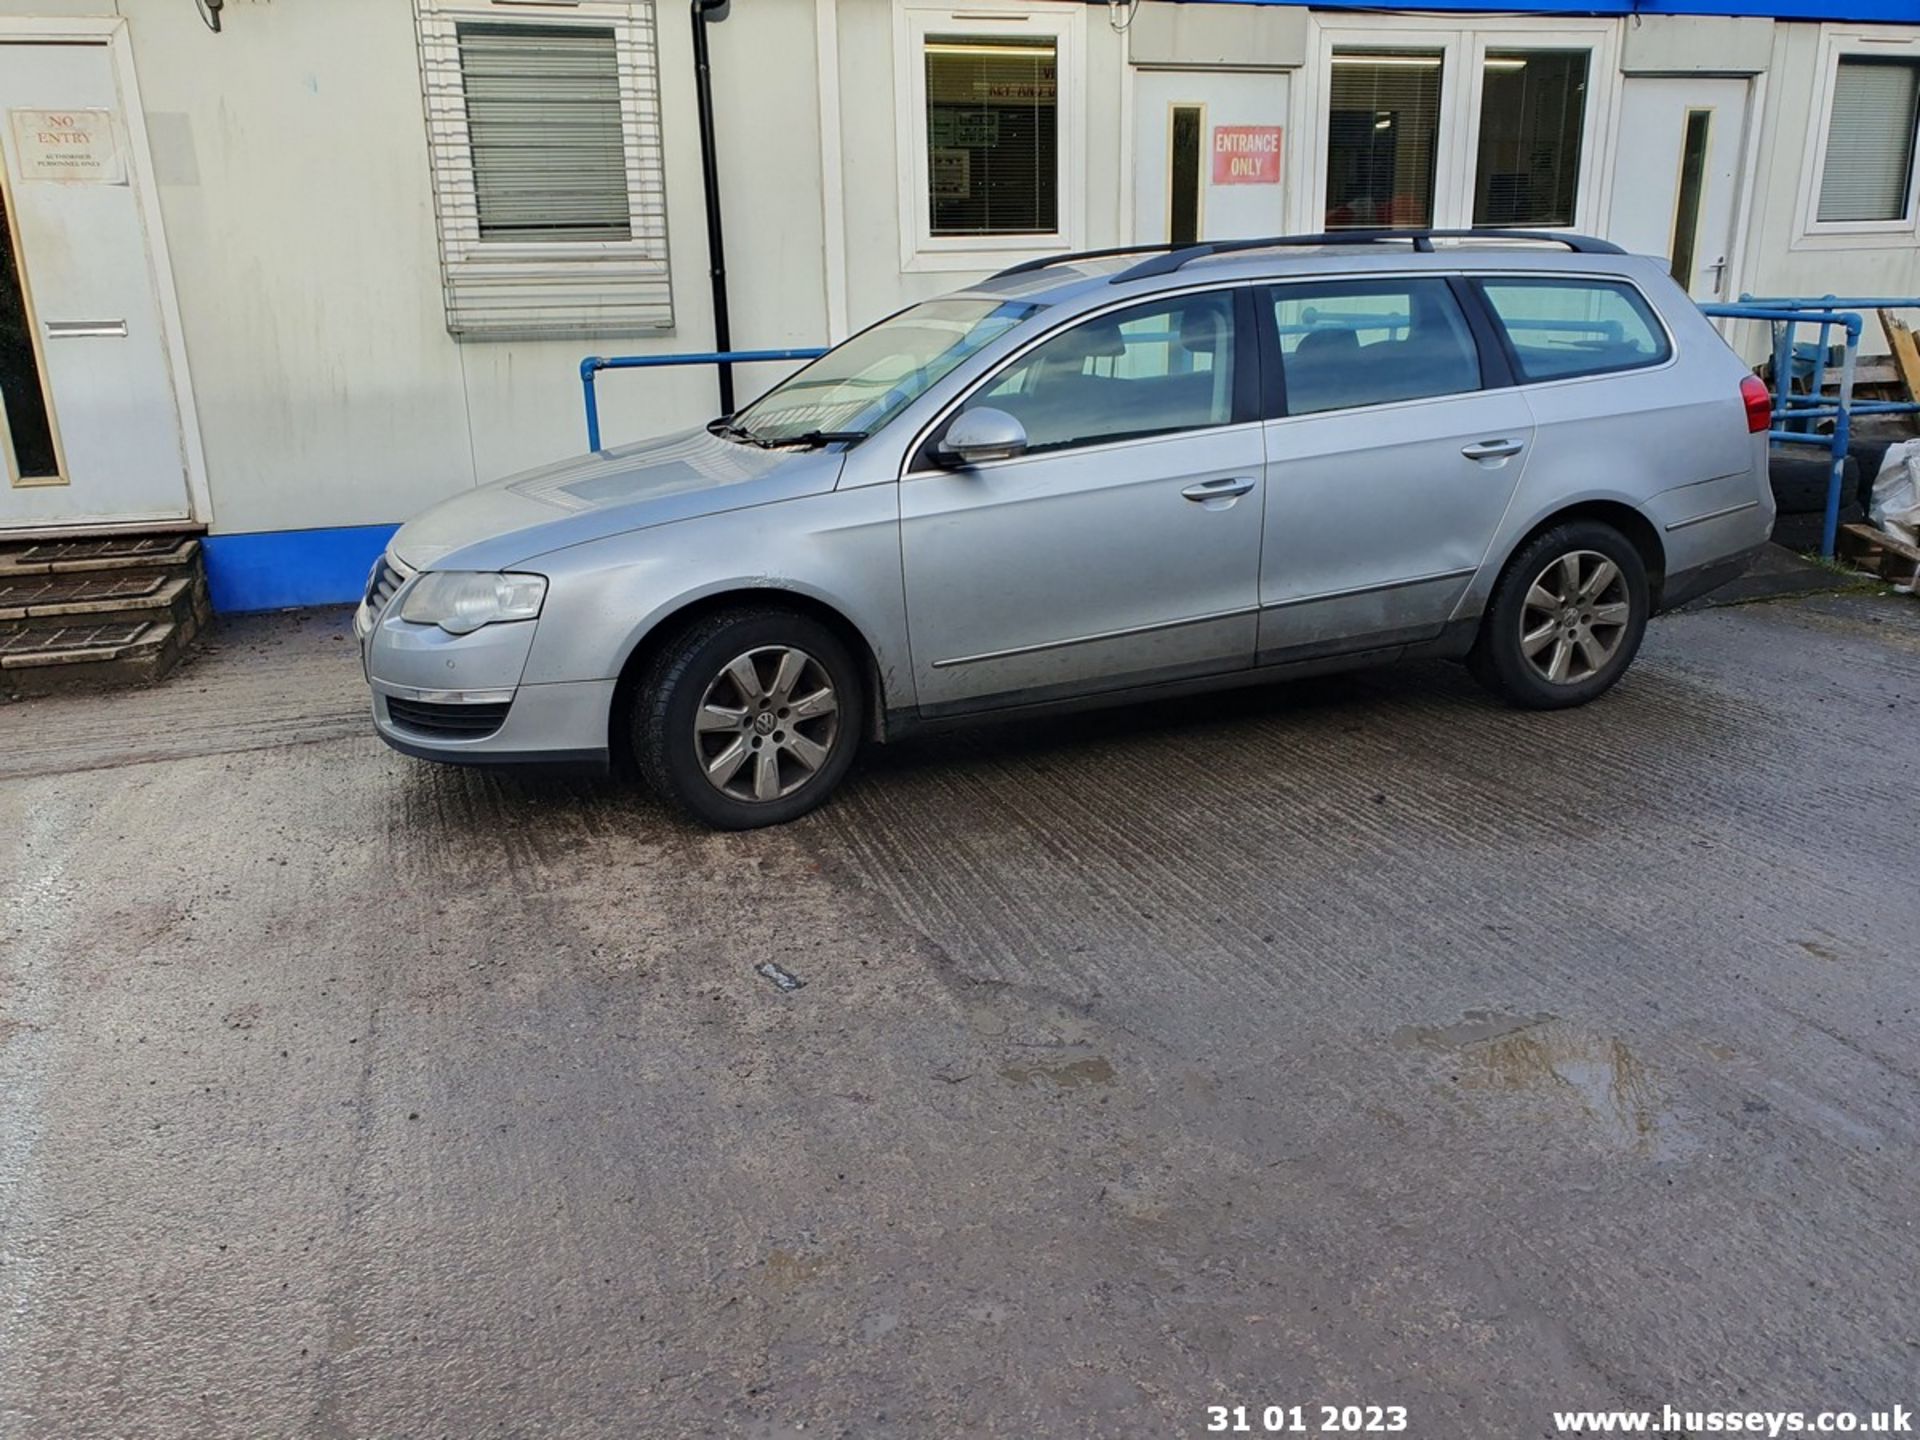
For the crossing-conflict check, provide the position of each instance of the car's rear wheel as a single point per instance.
(1565, 619)
(748, 717)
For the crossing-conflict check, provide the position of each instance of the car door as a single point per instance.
(1395, 443)
(1123, 546)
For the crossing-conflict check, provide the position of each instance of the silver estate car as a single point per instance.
(1089, 480)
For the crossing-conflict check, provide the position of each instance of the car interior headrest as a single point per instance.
(1334, 340)
(1098, 339)
(1202, 328)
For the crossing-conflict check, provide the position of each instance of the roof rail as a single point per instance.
(1067, 257)
(1169, 258)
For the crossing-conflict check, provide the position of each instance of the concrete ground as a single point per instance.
(1353, 1042)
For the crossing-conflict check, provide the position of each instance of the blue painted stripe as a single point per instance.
(1891, 12)
(280, 569)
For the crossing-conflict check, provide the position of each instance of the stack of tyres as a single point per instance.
(1800, 475)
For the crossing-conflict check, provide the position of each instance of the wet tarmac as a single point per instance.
(1358, 1042)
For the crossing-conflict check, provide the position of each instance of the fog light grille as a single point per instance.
(447, 722)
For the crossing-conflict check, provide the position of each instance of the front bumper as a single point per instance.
(459, 698)
(562, 724)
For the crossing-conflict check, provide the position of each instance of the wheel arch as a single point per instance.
(662, 629)
(1628, 519)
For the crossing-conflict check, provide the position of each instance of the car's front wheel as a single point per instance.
(748, 717)
(1565, 619)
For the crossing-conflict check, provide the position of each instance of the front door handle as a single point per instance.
(1493, 449)
(1223, 489)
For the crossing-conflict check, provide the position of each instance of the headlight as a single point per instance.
(460, 602)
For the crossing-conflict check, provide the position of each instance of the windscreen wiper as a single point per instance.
(818, 437)
(732, 430)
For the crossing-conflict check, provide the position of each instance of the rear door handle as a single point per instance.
(1493, 449)
(1222, 489)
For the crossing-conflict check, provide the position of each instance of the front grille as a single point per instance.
(386, 578)
(447, 722)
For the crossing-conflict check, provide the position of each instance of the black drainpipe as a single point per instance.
(710, 177)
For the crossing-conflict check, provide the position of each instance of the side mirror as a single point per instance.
(983, 434)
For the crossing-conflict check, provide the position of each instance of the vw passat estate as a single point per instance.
(1093, 479)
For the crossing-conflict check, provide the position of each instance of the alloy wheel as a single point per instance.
(1575, 617)
(766, 724)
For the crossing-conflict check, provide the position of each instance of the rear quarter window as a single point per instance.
(1560, 328)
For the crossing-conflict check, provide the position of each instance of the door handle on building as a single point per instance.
(81, 329)
(1222, 489)
(1493, 449)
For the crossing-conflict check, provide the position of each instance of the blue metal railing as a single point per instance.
(1816, 356)
(594, 364)
(1788, 408)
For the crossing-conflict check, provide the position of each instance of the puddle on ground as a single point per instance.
(1071, 1075)
(1545, 1056)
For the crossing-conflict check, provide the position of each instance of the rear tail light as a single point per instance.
(1759, 403)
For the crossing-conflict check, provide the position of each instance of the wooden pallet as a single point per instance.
(1878, 553)
(1906, 352)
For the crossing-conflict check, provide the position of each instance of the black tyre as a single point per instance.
(1800, 479)
(1565, 619)
(748, 717)
(1804, 532)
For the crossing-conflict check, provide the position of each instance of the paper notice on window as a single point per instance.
(72, 145)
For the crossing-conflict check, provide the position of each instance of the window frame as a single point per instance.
(1496, 365)
(644, 257)
(1478, 280)
(1248, 380)
(914, 22)
(1464, 46)
(1839, 43)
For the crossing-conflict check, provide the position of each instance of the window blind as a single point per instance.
(1382, 139)
(549, 184)
(543, 124)
(1870, 136)
(992, 136)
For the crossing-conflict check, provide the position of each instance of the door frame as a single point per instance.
(112, 33)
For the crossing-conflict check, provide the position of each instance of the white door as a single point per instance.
(91, 427)
(1209, 155)
(1676, 187)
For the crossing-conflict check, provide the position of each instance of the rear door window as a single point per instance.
(1347, 343)
(1562, 328)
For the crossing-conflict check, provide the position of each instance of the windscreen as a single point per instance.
(857, 387)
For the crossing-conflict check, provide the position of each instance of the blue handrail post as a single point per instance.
(589, 368)
(1830, 530)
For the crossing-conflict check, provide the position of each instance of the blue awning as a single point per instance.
(1885, 12)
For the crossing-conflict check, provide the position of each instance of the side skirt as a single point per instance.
(1450, 644)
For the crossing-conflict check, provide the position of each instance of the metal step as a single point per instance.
(91, 613)
(34, 597)
(88, 555)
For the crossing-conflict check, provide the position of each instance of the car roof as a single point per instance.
(1146, 269)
